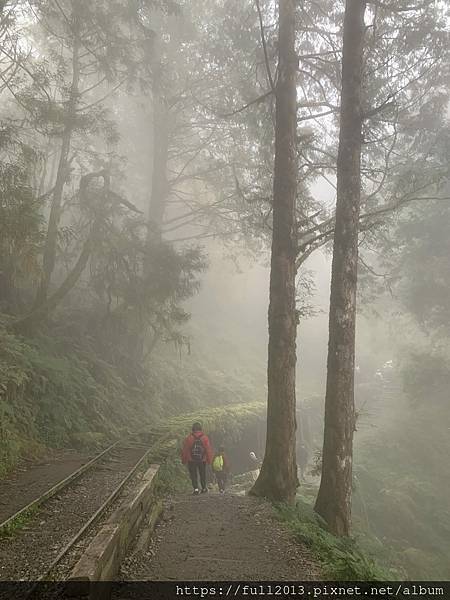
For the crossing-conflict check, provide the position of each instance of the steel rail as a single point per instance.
(56, 488)
(98, 513)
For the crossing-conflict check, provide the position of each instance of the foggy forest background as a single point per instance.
(136, 173)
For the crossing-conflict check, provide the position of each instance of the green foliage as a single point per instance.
(401, 480)
(231, 420)
(56, 390)
(172, 478)
(20, 218)
(18, 523)
(227, 421)
(342, 558)
(402, 490)
(419, 254)
(146, 280)
(203, 376)
(53, 394)
(426, 377)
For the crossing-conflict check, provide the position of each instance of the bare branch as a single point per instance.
(100, 100)
(317, 115)
(374, 111)
(256, 101)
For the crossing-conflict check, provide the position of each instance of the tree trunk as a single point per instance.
(334, 499)
(29, 322)
(278, 477)
(160, 185)
(158, 200)
(51, 241)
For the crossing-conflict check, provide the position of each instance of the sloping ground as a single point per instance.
(56, 394)
(213, 537)
(60, 391)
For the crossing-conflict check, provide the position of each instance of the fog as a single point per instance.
(225, 224)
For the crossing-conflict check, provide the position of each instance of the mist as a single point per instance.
(224, 295)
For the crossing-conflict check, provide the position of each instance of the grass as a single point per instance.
(56, 392)
(172, 479)
(18, 523)
(231, 419)
(341, 558)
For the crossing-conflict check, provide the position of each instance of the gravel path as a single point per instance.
(31, 478)
(215, 537)
(28, 553)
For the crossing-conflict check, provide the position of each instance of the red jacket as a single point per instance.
(189, 442)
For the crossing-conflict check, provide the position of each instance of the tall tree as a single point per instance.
(334, 499)
(278, 476)
(50, 248)
(100, 52)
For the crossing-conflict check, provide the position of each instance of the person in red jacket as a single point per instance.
(196, 454)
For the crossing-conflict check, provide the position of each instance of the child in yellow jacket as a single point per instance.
(221, 468)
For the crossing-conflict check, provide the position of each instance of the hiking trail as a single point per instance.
(219, 537)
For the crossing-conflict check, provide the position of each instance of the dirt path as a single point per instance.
(30, 479)
(215, 537)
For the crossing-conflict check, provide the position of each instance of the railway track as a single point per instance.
(36, 542)
(10, 522)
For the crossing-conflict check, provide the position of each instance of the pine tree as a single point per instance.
(334, 499)
(278, 476)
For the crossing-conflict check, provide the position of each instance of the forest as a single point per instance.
(214, 203)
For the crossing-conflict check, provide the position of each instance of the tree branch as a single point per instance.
(239, 110)
(394, 8)
(263, 40)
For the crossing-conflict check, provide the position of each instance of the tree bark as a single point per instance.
(158, 199)
(334, 498)
(50, 249)
(278, 477)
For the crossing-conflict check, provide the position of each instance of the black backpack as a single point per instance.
(197, 450)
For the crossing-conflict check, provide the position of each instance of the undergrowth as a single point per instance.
(55, 392)
(172, 479)
(402, 492)
(17, 523)
(54, 395)
(341, 558)
(230, 420)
